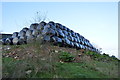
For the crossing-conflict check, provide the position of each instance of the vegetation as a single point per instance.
(66, 57)
(47, 61)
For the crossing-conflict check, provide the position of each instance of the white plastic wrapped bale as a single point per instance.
(66, 41)
(35, 32)
(58, 25)
(46, 38)
(76, 45)
(15, 34)
(8, 41)
(22, 33)
(71, 44)
(22, 40)
(28, 32)
(15, 40)
(65, 32)
(41, 26)
(56, 40)
(48, 31)
(68, 30)
(60, 33)
(33, 26)
(51, 22)
(25, 29)
(64, 27)
(45, 29)
(69, 37)
(3, 41)
(30, 39)
(52, 25)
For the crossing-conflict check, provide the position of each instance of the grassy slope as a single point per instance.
(42, 61)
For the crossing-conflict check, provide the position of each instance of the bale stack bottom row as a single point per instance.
(52, 32)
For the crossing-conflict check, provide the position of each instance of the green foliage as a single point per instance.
(66, 57)
(93, 54)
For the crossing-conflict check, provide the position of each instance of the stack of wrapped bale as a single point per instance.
(55, 33)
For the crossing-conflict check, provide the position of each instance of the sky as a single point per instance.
(96, 21)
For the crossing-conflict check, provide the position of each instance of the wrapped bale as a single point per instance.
(3, 41)
(64, 28)
(82, 42)
(51, 22)
(22, 33)
(65, 32)
(25, 29)
(71, 44)
(66, 41)
(80, 46)
(73, 34)
(58, 25)
(29, 32)
(56, 40)
(75, 39)
(85, 47)
(72, 39)
(8, 41)
(52, 25)
(85, 43)
(30, 39)
(88, 43)
(48, 31)
(76, 45)
(15, 40)
(35, 32)
(46, 38)
(60, 33)
(41, 25)
(78, 40)
(45, 29)
(33, 26)
(15, 34)
(68, 30)
(69, 37)
(22, 40)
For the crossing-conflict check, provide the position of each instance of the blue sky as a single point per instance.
(96, 21)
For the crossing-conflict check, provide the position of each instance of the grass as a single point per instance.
(47, 61)
(76, 70)
(60, 70)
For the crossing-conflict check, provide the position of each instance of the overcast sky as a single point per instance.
(96, 21)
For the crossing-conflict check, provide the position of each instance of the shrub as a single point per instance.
(66, 57)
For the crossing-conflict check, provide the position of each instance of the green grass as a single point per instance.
(56, 70)
(76, 70)
(98, 66)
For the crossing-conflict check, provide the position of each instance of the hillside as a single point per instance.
(43, 60)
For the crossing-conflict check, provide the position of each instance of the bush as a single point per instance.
(94, 55)
(66, 57)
